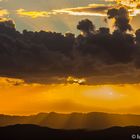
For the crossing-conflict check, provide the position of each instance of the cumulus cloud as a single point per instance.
(121, 17)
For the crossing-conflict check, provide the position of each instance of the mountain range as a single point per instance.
(88, 121)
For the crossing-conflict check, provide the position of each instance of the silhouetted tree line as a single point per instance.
(62, 55)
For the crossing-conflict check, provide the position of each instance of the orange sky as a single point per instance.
(25, 99)
(21, 98)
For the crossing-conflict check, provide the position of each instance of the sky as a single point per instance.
(58, 22)
(27, 99)
(51, 15)
(25, 96)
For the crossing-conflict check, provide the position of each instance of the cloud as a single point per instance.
(9, 82)
(49, 57)
(131, 5)
(33, 14)
(5, 20)
(121, 17)
(3, 12)
(8, 23)
(101, 9)
(90, 10)
(73, 80)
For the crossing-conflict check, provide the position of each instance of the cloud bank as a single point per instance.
(94, 57)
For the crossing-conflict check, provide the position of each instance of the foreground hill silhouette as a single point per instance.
(90, 121)
(32, 132)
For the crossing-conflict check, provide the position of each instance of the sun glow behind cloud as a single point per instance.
(3, 12)
(20, 98)
(133, 6)
(52, 15)
(89, 10)
(33, 14)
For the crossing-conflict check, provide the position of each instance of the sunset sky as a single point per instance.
(118, 91)
(62, 16)
(26, 99)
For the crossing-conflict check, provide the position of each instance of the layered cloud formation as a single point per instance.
(93, 57)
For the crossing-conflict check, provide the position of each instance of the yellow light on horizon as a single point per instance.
(20, 98)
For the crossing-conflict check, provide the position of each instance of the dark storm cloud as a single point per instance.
(97, 56)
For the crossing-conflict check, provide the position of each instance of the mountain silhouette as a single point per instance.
(88, 121)
(33, 132)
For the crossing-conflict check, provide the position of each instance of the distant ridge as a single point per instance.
(91, 121)
(33, 132)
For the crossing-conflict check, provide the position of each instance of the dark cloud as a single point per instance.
(121, 17)
(51, 57)
(86, 26)
(7, 23)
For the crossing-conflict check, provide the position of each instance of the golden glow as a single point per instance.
(20, 98)
(90, 10)
(3, 12)
(71, 79)
(132, 5)
(129, 3)
(33, 14)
